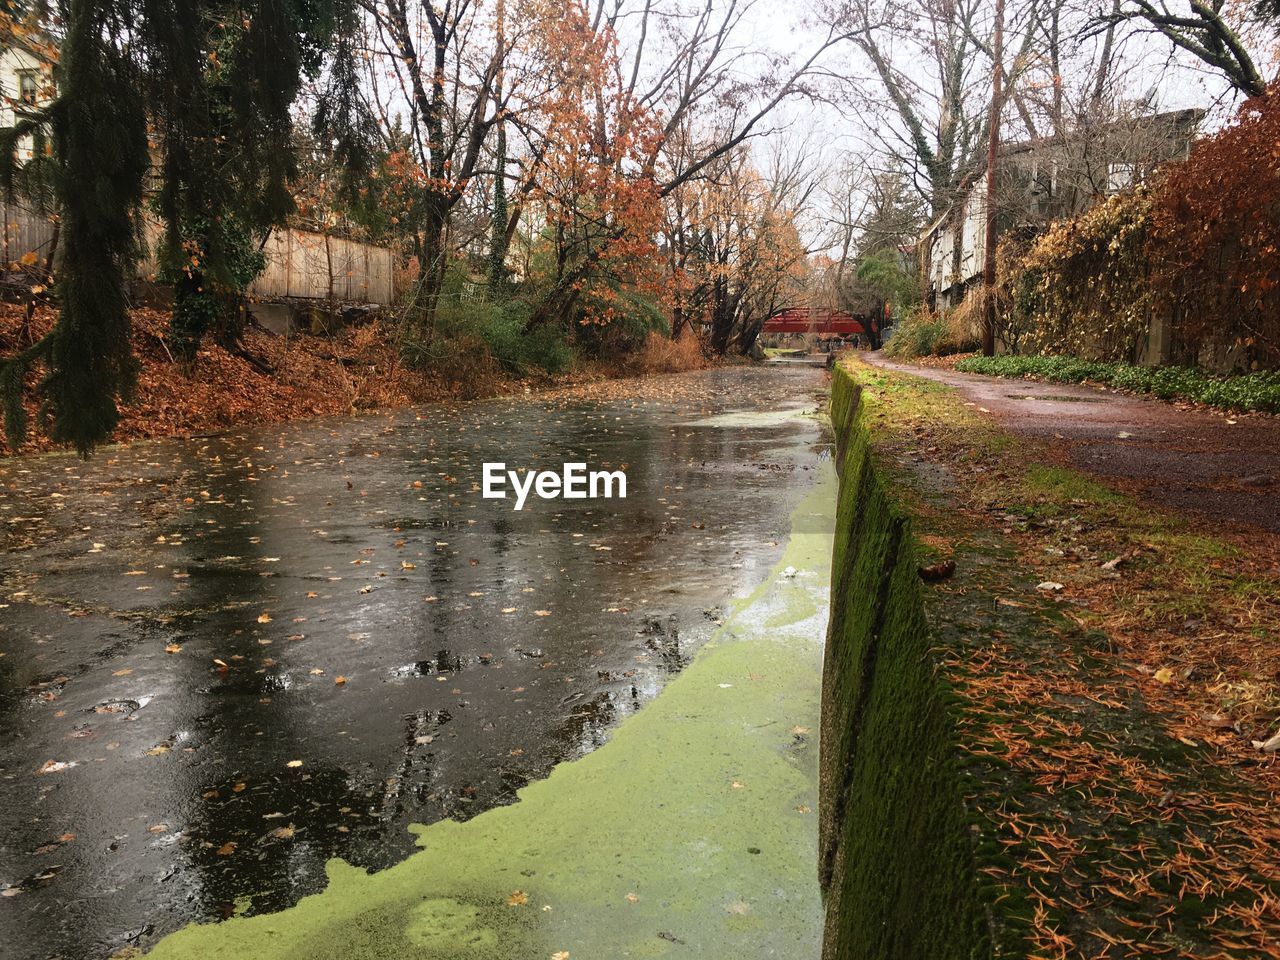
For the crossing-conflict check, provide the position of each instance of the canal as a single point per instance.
(227, 661)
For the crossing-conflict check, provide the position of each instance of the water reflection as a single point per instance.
(253, 653)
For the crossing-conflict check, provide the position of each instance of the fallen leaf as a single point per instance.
(1268, 746)
(294, 763)
(517, 899)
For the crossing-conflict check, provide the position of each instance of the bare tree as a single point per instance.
(923, 55)
(1210, 30)
(687, 64)
(734, 245)
(444, 71)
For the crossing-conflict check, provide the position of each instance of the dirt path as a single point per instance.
(1222, 466)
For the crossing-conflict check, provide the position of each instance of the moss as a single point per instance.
(897, 862)
(1067, 485)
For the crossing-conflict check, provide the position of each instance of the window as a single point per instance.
(28, 87)
(1121, 176)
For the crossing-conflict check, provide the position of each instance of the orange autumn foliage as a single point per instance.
(594, 185)
(1215, 237)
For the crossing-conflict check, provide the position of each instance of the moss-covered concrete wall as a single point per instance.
(896, 857)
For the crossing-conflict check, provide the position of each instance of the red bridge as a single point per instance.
(820, 320)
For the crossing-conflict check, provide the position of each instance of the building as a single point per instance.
(26, 81)
(1046, 179)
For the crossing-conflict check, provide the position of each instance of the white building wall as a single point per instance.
(14, 63)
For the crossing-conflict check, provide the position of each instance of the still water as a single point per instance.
(225, 661)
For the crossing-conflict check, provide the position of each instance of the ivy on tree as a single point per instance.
(214, 81)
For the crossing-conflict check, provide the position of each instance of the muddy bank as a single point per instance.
(275, 379)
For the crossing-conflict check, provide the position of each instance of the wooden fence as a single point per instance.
(25, 232)
(314, 266)
(301, 265)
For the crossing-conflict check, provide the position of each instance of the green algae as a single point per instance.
(691, 832)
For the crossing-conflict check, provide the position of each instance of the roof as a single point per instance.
(819, 320)
(1173, 118)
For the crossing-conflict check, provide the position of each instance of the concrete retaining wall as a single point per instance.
(896, 856)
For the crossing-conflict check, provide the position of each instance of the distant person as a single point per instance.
(857, 341)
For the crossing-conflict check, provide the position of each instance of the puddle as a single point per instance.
(1055, 398)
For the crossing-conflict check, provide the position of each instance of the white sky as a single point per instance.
(830, 135)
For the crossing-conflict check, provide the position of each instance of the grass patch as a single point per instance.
(1067, 485)
(1246, 392)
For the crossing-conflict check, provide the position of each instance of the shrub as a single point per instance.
(965, 323)
(472, 332)
(661, 354)
(1082, 286)
(924, 332)
(632, 316)
(1213, 244)
(917, 335)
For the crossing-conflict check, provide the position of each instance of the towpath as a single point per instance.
(1223, 467)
